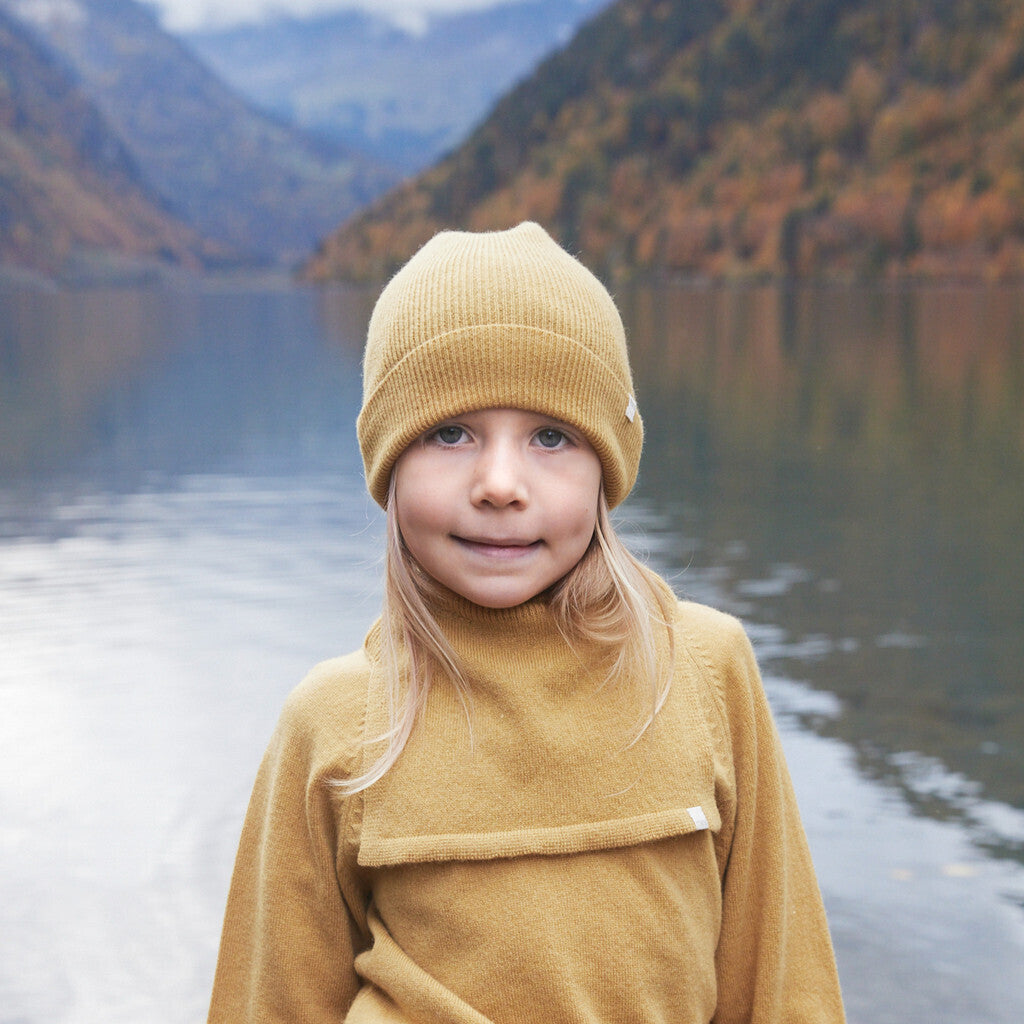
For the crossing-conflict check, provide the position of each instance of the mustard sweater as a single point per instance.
(526, 865)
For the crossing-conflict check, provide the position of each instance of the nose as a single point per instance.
(499, 478)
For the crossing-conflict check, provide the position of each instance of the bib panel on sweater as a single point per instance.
(545, 759)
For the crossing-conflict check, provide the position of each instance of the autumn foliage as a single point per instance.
(746, 138)
(67, 183)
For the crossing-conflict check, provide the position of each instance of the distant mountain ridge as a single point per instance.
(70, 193)
(255, 186)
(403, 97)
(740, 138)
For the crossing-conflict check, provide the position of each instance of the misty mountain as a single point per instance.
(249, 181)
(403, 96)
(72, 199)
(730, 139)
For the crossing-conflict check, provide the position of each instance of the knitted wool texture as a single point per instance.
(534, 870)
(503, 319)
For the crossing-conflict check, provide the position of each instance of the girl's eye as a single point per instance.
(551, 438)
(449, 434)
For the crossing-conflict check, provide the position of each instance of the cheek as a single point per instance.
(585, 530)
(579, 515)
(418, 498)
(417, 513)
(586, 491)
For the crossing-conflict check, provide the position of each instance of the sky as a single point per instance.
(184, 15)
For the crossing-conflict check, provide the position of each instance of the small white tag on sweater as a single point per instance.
(699, 817)
(631, 409)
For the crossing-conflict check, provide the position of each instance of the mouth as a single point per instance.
(498, 547)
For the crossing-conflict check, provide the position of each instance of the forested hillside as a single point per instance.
(732, 138)
(69, 191)
(255, 185)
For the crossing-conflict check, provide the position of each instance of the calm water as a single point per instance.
(183, 531)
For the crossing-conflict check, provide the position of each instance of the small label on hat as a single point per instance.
(631, 409)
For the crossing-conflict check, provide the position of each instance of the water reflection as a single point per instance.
(184, 530)
(119, 383)
(182, 534)
(854, 461)
(59, 354)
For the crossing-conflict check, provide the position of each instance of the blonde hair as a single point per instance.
(610, 598)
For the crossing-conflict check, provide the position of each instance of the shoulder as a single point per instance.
(716, 634)
(705, 631)
(323, 718)
(332, 686)
(717, 645)
(703, 616)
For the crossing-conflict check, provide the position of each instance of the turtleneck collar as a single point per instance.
(451, 608)
(543, 761)
(525, 641)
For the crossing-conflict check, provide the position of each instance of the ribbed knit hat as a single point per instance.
(502, 319)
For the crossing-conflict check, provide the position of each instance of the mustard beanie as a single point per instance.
(502, 319)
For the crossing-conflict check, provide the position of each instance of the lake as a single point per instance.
(184, 531)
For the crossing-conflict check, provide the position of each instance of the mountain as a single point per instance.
(404, 95)
(253, 184)
(739, 138)
(71, 196)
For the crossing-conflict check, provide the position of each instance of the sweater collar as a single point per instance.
(541, 760)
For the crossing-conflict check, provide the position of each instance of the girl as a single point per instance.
(543, 791)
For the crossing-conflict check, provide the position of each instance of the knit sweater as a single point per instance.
(524, 862)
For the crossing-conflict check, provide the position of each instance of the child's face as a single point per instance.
(498, 505)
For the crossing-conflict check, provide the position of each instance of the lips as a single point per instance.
(498, 547)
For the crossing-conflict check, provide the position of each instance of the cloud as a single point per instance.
(184, 15)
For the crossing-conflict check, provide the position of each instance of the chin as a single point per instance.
(498, 601)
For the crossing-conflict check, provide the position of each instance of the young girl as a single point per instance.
(543, 791)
